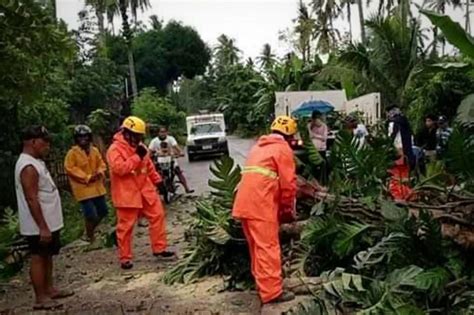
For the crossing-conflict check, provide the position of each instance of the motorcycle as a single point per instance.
(165, 166)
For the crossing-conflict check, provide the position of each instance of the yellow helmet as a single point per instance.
(134, 124)
(285, 124)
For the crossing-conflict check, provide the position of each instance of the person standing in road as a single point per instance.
(133, 180)
(40, 215)
(155, 146)
(86, 171)
(266, 197)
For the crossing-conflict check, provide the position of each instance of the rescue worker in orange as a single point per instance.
(133, 180)
(86, 171)
(265, 198)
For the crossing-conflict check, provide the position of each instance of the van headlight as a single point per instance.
(190, 142)
(222, 139)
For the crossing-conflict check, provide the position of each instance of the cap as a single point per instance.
(442, 119)
(35, 132)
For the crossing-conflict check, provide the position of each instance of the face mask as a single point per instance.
(162, 137)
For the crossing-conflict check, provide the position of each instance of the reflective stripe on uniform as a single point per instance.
(260, 170)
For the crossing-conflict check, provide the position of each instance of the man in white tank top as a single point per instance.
(40, 213)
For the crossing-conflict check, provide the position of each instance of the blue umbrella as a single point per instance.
(307, 108)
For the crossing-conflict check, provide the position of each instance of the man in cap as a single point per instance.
(40, 215)
(133, 181)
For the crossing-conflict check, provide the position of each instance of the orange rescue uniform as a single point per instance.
(267, 187)
(133, 187)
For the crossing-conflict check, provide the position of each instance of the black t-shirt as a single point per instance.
(426, 139)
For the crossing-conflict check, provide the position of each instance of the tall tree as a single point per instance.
(305, 26)
(267, 57)
(123, 6)
(226, 52)
(440, 7)
(325, 34)
(361, 20)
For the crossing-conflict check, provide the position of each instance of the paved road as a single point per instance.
(197, 173)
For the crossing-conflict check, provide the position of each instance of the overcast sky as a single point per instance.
(251, 22)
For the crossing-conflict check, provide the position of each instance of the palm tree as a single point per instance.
(389, 62)
(305, 26)
(123, 6)
(100, 8)
(361, 21)
(226, 52)
(347, 4)
(325, 33)
(267, 58)
(155, 23)
(440, 7)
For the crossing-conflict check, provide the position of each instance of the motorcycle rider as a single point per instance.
(155, 146)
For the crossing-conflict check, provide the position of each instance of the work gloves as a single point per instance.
(141, 151)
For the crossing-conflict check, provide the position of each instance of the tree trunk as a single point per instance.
(54, 9)
(133, 78)
(349, 18)
(127, 33)
(361, 21)
(101, 23)
(467, 26)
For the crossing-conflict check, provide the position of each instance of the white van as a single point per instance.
(206, 135)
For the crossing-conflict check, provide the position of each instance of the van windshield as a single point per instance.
(206, 128)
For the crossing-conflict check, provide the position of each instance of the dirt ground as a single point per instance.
(101, 287)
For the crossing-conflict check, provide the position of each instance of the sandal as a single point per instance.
(61, 294)
(165, 254)
(47, 305)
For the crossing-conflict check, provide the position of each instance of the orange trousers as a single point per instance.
(126, 219)
(398, 186)
(265, 257)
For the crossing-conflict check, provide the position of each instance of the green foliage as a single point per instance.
(460, 156)
(162, 55)
(328, 241)
(227, 178)
(465, 113)
(453, 32)
(360, 171)
(217, 245)
(437, 94)
(73, 219)
(389, 61)
(95, 85)
(157, 110)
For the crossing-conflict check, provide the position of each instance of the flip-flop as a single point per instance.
(48, 305)
(61, 294)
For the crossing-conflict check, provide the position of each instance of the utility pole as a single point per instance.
(467, 26)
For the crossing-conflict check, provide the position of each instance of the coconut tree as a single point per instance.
(305, 26)
(389, 62)
(325, 34)
(440, 7)
(123, 7)
(267, 58)
(226, 52)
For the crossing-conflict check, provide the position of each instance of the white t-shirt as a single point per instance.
(156, 142)
(359, 134)
(48, 197)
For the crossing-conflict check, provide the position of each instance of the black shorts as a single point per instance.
(49, 249)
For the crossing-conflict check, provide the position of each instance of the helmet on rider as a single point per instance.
(82, 135)
(133, 130)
